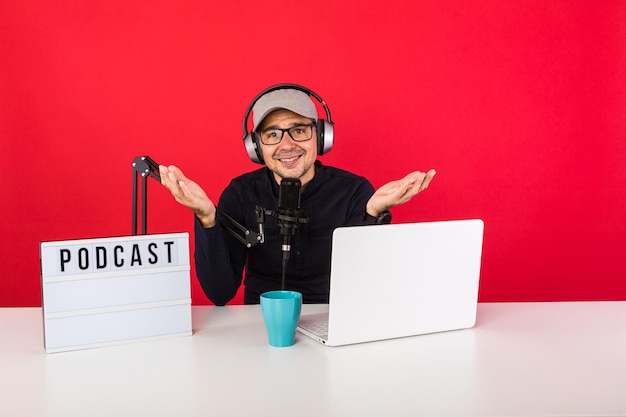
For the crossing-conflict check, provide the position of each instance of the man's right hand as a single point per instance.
(188, 193)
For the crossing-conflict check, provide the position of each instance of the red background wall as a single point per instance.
(518, 105)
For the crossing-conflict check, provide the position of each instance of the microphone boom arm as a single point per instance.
(145, 167)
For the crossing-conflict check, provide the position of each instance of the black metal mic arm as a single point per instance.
(145, 167)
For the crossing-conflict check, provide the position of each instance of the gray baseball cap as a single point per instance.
(286, 98)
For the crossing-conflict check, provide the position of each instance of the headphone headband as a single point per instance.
(285, 86)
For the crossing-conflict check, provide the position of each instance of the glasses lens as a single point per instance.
(271, 136)
(301, 133)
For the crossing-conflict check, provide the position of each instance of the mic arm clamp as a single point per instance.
(291, 219)
(249, 238)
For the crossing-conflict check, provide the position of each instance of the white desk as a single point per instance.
(521, 359)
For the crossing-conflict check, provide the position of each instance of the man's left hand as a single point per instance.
(399, 192)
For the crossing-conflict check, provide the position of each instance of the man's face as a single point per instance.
(289, 159)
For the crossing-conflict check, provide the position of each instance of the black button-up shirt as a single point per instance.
(331, 199)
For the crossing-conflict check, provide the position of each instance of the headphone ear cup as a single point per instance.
(320, 133)
(251, 142)
(325, 136)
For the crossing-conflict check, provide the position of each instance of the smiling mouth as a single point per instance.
(289, 160)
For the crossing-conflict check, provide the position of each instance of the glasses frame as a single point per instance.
(311, 125)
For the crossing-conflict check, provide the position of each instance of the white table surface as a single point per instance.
(521, 359)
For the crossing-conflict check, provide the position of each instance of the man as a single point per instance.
(286, 136)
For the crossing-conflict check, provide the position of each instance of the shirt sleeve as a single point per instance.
(219, 259)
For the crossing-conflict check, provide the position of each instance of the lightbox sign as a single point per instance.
(98, 292)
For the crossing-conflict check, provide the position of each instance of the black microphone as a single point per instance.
(288, 209)
(289, 215)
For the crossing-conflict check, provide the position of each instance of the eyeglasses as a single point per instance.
(299, 133)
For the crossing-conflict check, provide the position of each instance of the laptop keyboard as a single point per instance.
(319, 328)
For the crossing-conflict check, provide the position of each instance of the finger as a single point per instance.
(190, 194)
(165, 177)
(181, 193)
(199, 203)
(177, 172)
(421, 181)
(184, 190)
(427, 179)
(162, 172)
(412, 183)
(170, 182)
(170, 176)
(401, 186)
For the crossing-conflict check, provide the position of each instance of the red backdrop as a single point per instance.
(518, 105)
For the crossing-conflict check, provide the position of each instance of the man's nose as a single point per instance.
(287, 141)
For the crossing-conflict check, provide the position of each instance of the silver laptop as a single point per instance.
(400, 280)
